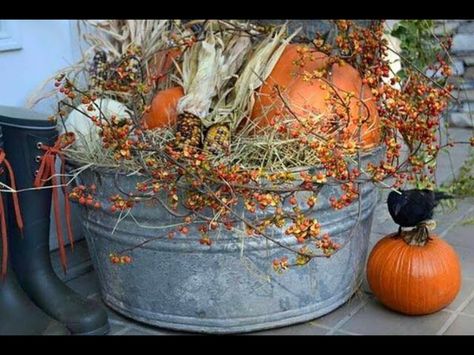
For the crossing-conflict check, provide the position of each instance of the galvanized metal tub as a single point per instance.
(229, 287)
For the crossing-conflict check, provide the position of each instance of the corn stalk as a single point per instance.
(255, 72)
(113, 37)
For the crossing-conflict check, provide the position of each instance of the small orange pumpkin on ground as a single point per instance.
(414, 279)
(163, 108)
(303, 95)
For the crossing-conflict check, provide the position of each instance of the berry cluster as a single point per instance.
(120, 203)
(120, 259)
(84, 196)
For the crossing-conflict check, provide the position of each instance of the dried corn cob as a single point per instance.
(188, 130)
(98, 70)
(217, 139)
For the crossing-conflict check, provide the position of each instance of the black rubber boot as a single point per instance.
(23, 134)
(18, 314)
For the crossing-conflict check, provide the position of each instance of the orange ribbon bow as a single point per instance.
(47, 172)
(16, 207)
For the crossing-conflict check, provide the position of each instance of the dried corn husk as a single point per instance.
(237, 50)
(116, 36)
(256, 70)
(113, 37)
(201, 67)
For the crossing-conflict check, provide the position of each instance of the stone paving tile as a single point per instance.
(86, 284)
(148, 329)
(462, 236)
(135, 330)
(117, 328)
(463, 325)
(346, 310)
(378, 320)
(467, 288)
(469, 309)
(342, 332)
(467, 260)
(453, 218)
(308, 328)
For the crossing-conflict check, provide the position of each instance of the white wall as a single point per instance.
(45, 47)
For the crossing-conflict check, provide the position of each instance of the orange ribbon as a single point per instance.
(3, 222)
(46, 172)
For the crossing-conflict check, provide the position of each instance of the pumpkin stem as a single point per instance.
(419, 235)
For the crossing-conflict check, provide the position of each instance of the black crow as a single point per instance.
(411, 207)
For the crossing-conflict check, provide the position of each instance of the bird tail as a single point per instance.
(439, 195)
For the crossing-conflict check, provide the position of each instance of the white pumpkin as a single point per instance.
(87, 133)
